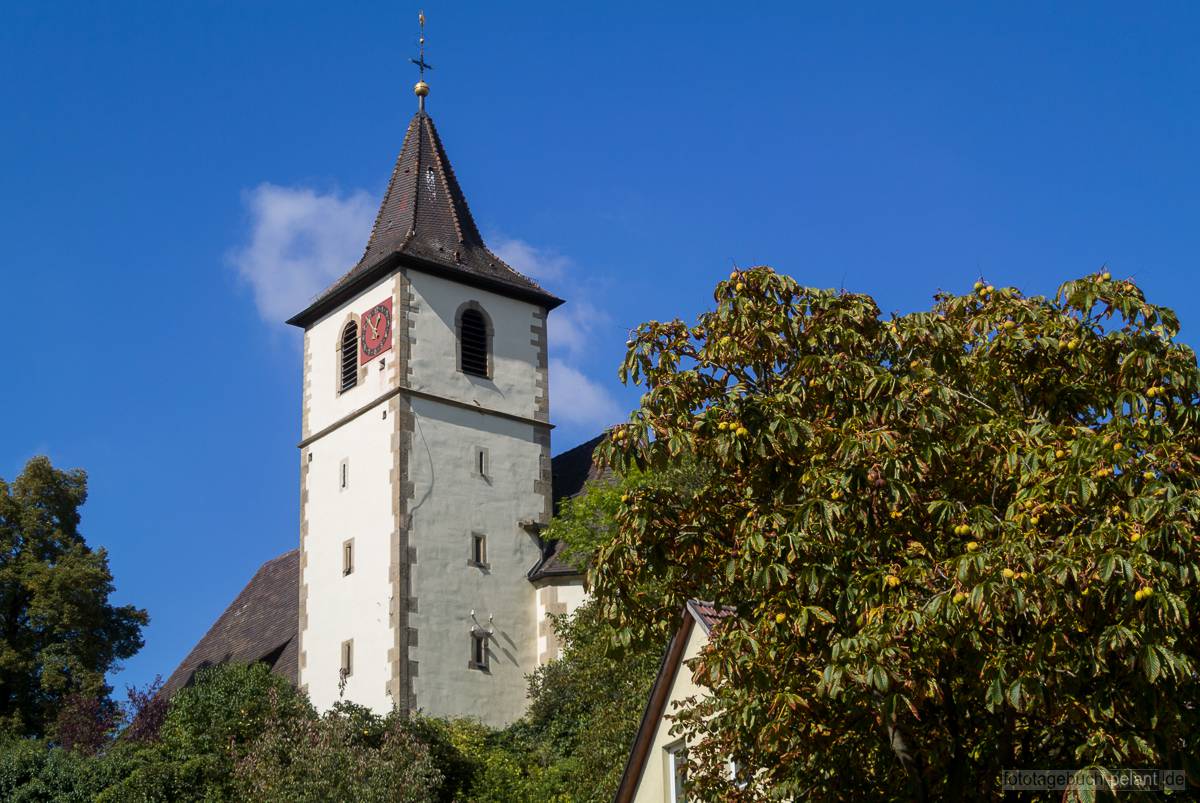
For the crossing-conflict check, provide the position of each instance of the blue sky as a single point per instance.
(178, 177)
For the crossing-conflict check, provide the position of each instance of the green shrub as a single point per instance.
(346, 754)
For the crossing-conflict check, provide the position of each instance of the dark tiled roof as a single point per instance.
(570, 473)
(552, 563)
(707, 614)
(574, 468)
(260, 625)
(424, 222)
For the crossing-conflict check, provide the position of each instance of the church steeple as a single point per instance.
(424, 223)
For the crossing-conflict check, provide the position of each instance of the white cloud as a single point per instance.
(575, 399)
(301, 240)
(538, 263)
(572, 328)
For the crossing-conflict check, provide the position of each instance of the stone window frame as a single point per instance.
(348, 557)
(478, 657)
(346, 659)
(480, 454)
(489, 337)
(479, 550)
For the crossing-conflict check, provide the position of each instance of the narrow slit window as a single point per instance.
(473, 343)
(481, 462)
(347, 668)
(479, 549)
(344, 474)
(348, 557)
(349, 357)
(479, 654)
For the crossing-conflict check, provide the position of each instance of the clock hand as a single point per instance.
(372, 323)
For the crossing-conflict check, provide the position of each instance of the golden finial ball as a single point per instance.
(421, 89)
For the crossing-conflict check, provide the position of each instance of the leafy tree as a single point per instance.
(954, 541)
(585, 706)
(32, 771)
(227, 707)
(58, 633)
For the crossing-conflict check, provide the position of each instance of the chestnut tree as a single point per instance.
(954, 541)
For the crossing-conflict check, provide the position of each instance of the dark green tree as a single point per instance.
(59, 635)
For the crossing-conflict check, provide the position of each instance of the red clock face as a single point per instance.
(375, 331)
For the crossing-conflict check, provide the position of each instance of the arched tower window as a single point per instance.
(349, 354)
(474, 340)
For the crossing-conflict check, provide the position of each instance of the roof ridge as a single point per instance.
(444, 168)
(376, 231)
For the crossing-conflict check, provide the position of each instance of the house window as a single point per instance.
(733, 775)
(479, 651)
(347, 659)
(347, 556)
(480, 467)
(349, 357)
(344, 473)
(676, 772)
(474, 341)
(478, 549)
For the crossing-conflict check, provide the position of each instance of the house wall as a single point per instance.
(555, 597)
(512, 387)
(653, 785)
(451, 501)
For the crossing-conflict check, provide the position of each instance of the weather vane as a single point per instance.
(421, 90)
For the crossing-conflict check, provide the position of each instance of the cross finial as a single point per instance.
(421, 90)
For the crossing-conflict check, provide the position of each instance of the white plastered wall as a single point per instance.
(511, 387)
(338, 607)
(451, 502)
(326, 404)
(562, 597)
(354, 606)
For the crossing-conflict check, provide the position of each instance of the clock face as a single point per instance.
(375, 331)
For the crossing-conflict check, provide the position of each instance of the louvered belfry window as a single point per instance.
(349, 362)
(473, 342)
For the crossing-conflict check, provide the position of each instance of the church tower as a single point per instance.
(424, 460)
